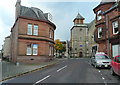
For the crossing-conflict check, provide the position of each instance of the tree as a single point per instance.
(59, 47)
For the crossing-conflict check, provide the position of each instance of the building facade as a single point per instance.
(92, 45)
(107, 33)
(32, 35)
(79, 37)
(6, 47)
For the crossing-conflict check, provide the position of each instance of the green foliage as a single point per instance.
(59, 46)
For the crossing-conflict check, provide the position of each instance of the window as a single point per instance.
(29, 29)
(80, 38)
(115, 27)
(29, 49)
(51, 33)
(35, 30)
(99, 32)
(35, 49)
(50, 50)
(32, 49)
(99, 17)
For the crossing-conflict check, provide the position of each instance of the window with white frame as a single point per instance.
(99, 17)
(29, 49)
(50, 51)
(32, 49)
(35, 49)
(115, 27)
(29, 32)
(99, 32)
(51, 33)
(35, 30)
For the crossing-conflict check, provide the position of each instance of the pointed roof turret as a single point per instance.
(79, 16)
(79, 19)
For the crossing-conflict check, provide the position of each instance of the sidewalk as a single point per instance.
(10, 70)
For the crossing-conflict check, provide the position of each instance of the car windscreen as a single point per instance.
(102, 57)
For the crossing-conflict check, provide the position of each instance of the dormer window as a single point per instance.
(99, 32)
(99, 16)
(115, 27)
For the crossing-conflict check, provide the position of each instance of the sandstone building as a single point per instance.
(107, 33)
(32, 35)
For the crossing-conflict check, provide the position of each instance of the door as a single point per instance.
(80, 54)
(115, 65)
(118, 68)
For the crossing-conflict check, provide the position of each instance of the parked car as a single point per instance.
(115, 65)
(101, 60)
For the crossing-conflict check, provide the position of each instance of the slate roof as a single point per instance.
(113, 7)
(79, 16)
(106, 1)
(91, 23)
(32, 13)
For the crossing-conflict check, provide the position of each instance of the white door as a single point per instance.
(115, 50)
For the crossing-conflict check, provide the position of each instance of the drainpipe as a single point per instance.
(108, 34)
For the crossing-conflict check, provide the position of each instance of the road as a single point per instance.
(68, 71)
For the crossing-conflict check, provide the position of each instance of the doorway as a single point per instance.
(80, 54)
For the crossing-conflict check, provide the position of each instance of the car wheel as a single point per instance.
(112, 72)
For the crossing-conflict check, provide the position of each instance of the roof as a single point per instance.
(106, 2)
(103, 2)
(79, 16)
(92, 22)
(113, 7)
(32, 13)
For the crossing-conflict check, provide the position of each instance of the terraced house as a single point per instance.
(107, 33)
(32, 35)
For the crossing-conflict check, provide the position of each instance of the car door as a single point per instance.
(118, 65)
(115, 65)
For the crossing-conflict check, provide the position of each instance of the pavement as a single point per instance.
(69, 71)
(9, 70)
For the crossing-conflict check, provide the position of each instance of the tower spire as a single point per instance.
(79, 19)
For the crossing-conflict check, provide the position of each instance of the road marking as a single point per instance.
(99, 71)
(61, 68)
(42, 79)
(105, 82)
(103, 78)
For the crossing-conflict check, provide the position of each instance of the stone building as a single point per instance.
(79, 37)
(32, 35)
(92, 45)
(107, 33)
(6, 47)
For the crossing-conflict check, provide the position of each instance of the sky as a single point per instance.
(63, 13)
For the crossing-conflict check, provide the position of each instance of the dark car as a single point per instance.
(115, 65)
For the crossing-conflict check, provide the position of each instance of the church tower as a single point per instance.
(79, 37)
(78, 20)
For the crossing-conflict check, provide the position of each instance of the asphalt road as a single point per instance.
(68, 71)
